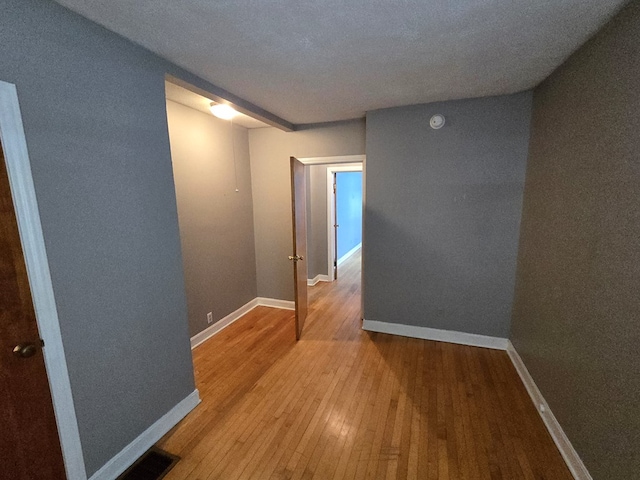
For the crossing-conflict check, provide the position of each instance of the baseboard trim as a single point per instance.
(147, 439)
(221, 324)
(571, 457)
(427, 333)
(318, 278)
(276, 303)
(346, 256)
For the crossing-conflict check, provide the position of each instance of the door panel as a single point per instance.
(335, 226)
(29, 442)
(299, 213)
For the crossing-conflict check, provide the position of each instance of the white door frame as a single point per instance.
(331, 212)
(28, 218)
(348, 161)
(328, 160)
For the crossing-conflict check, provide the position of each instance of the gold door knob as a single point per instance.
(25, 350)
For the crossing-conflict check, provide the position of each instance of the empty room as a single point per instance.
(329, 240)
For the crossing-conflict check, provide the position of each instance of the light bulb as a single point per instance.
(223, 111)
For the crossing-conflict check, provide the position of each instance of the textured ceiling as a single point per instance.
(325, 60)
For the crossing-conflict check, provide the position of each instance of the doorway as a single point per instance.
(36, 267)
(320, 228)
(345, 207)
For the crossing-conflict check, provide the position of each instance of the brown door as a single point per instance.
(29, 442)
(335, 226)
(299, 211)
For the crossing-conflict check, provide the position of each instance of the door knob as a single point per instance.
(295, 258)
(25, 350)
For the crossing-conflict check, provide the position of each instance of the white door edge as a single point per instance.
(32, 239)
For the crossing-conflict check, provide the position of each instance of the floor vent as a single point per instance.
(153, 465)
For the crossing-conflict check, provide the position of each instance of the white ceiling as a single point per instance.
(325, 60)
(190, 99)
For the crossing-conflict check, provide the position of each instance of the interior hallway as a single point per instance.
(343, 403)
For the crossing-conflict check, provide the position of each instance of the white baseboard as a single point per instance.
(129, 454)
(349, 253)
(318, 278)
(571, 457)
(427, 333)
(209, 332)
(275, 303)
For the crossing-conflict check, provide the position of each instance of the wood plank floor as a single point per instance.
(347, 404)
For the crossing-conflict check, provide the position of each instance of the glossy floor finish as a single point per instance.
(344, 404)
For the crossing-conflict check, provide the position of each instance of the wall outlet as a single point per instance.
(210, 317)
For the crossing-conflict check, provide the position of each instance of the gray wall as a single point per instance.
(577, 309)
(216, 222)
(93, 108)
(270, 150)
(317, 220)
(443, 212)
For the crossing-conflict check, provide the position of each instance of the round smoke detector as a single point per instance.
(437, 121)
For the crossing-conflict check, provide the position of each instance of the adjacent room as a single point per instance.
(407, 250)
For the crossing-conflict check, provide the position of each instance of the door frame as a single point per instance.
(349, 159)
(35, 256)
(331, 213)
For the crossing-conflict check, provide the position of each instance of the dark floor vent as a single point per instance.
(153, 465)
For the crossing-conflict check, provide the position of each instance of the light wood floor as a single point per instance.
(344, 404)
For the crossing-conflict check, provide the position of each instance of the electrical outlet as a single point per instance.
(210, 317)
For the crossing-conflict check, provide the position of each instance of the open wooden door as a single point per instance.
(299, 212)
(334, 216)
(29, 443)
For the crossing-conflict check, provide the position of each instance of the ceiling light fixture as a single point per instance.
(223, 111)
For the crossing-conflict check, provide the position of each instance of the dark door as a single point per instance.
(29, 442)
(299, 213)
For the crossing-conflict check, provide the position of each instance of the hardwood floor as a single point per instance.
(343, 403)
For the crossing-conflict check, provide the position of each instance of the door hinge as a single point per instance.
(334, 188)
(42, 343)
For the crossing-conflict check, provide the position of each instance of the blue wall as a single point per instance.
(349, 210)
